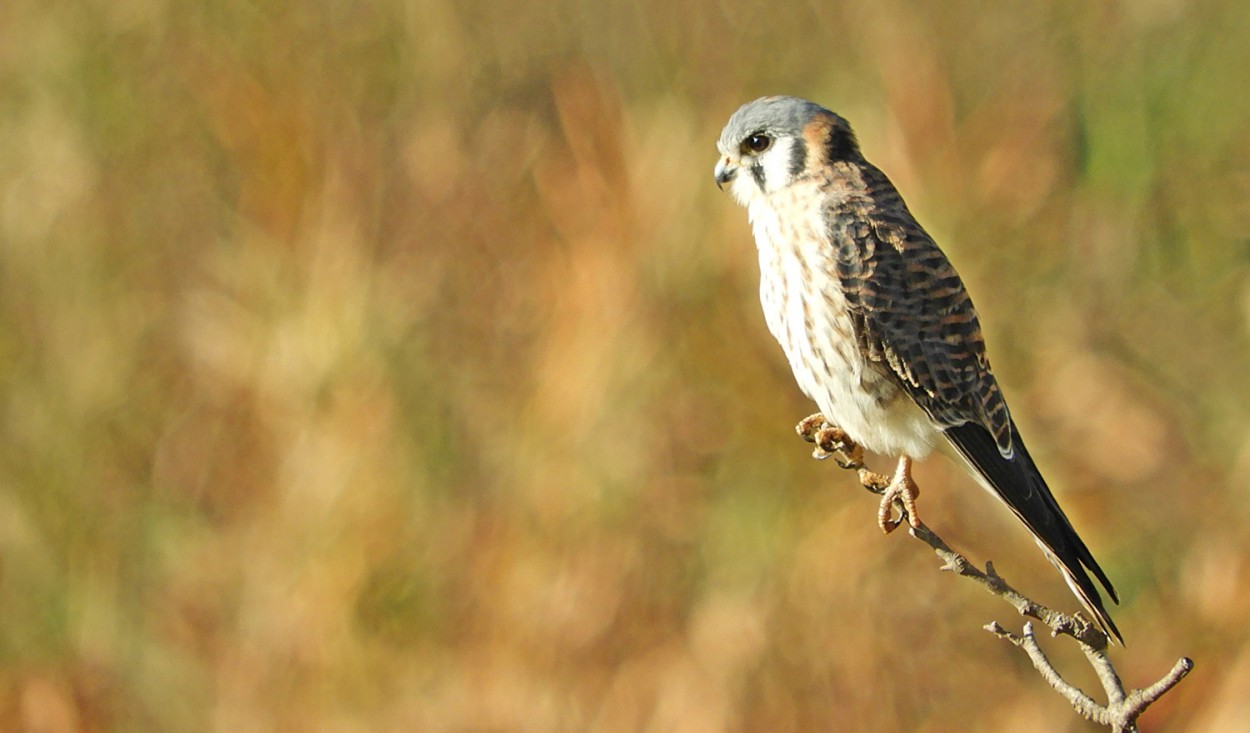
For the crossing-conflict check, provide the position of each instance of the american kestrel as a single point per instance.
(877, 325)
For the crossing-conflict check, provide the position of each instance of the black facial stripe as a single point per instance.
(757, 172)
(798, 157)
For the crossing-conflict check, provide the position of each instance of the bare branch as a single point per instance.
(1139, 700)
(1122, 709)
(1075, 626)
(1083, 703)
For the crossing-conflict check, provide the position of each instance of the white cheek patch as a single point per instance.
(744, 187)
(776, 162)
(763, 175)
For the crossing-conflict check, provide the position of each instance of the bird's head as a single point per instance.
(772, 142)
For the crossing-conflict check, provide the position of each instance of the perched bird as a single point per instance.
(877, 325)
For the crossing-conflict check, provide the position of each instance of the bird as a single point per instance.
(878, 327)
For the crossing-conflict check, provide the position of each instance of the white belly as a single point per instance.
(806, 313)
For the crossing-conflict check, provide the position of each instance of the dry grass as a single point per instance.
(397, 367)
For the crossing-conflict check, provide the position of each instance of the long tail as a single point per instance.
(1020, 485)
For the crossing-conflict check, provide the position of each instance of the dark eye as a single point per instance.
(757, 143)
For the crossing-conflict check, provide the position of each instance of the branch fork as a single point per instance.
(1122, 709)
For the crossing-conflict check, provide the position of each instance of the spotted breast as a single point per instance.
(806, 313)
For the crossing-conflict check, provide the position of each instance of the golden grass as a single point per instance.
(398, 367)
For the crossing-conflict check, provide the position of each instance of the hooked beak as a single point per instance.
(725, 172)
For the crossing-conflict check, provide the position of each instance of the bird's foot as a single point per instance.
(808, 426)
(830, 440)
(901, 490)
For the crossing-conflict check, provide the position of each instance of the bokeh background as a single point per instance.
(397, 366)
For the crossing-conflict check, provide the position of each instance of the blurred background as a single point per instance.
(397, 366)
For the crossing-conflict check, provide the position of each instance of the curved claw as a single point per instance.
(809, 425)
(903, 490)
(831, 440)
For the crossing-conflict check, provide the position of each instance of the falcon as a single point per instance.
(877, 325)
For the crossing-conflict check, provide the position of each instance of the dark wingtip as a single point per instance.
(1088, 593)
(1115, 632)
(1020, 485)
